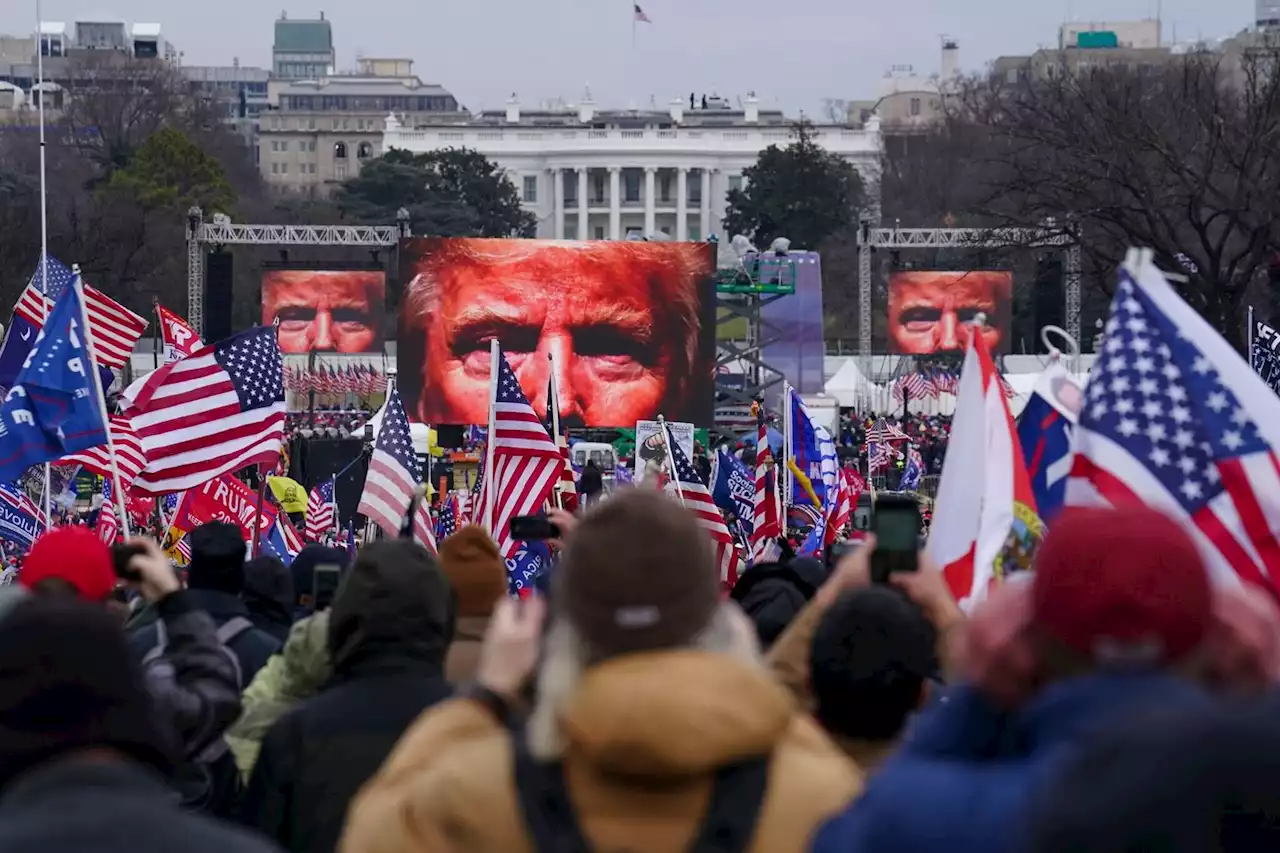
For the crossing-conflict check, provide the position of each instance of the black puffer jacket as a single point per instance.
(773, 594)
(390, 626)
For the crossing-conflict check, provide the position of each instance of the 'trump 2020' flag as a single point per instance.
(177, 336)
(985, 522)
(1174, 418)
(217, 410)
(54, 409)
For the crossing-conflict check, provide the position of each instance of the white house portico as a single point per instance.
(602, 175)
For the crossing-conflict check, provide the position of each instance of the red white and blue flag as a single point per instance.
(394, 473)
(693, 492)
(320, 511)
(1174, 417)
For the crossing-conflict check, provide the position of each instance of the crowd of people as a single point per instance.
(1115, 699)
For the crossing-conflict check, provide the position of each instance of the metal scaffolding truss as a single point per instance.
(223, 232)
(760, 376)
(1048, 237)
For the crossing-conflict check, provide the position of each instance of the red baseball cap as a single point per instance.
(77, 556)
(1122, 586)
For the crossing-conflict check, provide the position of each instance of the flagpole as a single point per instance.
(788, 484)
(1249, 340)
(554, 406)
(44, 234)
(92, 367)
(668, 439)
(495, 352)
(633, 25)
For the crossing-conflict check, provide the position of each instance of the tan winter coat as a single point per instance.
(669, 719)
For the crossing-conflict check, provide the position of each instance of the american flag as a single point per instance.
(912, 385)
(394, 474)
(320, 511)
(215, 411)
(184, 549)
(698, 500)
(477, 494)
(1174, 418)
(289, 533)
(882, 431)
(526, 462)
(930, 383)
(448, 523)
(108, 524)
(847, 491)
(640, 16)
(115, 329)
(130, 456)
(767, 523)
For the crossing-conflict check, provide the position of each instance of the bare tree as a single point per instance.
(1179, 158)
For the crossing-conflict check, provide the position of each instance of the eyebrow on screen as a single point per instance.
(634, 321)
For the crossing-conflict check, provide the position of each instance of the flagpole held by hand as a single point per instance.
(668, 439)
(495, 350)
(92, 368)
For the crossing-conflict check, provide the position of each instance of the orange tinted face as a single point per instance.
(928, 310)
(325, 311)
(611, 353)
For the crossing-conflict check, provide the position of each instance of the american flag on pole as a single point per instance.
(526, 462)
(697, 499)
(640, 16)
(394, 474)
(130, 456)
(115, 329)
(766, 518)
(1174, 418)
(108, 524)
(320, 511)
(215, 411)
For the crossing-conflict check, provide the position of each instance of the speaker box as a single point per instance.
(1048, 298)
(219, 272)
(449, 437)
(314, 460)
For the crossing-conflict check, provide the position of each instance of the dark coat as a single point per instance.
(388, 634)
(252, 649)
(773, 594)
(74, 806)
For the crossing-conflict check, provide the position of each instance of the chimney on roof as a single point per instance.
(950, 58)
(677, 110)
(513, 109)
(751, 109)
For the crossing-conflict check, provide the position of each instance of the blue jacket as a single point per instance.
(962, 780)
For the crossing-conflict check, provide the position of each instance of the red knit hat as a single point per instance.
(1122, 586)
(77, 556)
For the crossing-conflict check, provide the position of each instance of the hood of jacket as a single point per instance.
(673, 714)
(390, 614)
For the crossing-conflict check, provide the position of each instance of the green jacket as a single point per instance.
(288, 678)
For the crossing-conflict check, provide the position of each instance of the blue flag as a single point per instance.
(18, 521)
(733, 488)
(528, 568)
(54, 408)
(1044, 431)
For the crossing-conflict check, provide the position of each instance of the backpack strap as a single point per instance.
(736, 800)
(162, 642)
(544, 802)
(233, 628)
(737, 795)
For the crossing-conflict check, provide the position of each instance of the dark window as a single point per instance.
(340, 150)
(364, 151)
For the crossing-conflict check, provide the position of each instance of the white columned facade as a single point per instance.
(615, 202)
(557, 191)
(706, 204)
(582, 204)
(650, 201)
(682, 203)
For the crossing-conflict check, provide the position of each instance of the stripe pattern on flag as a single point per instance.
(526, 462)
(697, 499)
(320, 511)
(215, 411)
(130, 456)
(394, 474)
(115, 329)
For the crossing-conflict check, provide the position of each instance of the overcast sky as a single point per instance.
(793, 53)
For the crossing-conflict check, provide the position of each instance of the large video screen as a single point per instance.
(326, 310)
(631, 326)
(928, 307)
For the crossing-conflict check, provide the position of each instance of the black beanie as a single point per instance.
(68, 682)
(217, 558)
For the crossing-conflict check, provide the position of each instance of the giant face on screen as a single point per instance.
(628, 326)
(325, 310)
(928, 309)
